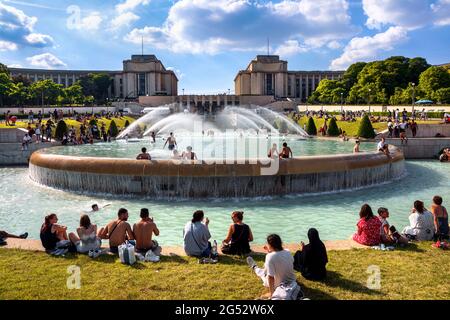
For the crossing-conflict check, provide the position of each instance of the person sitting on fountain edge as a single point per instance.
(117, 231)
(144, 155)
(143, 232)
(286, 152)
(189, 154)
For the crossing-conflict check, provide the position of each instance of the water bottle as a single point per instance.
(214, 253)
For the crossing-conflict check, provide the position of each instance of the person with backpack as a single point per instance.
(117, 231)
(196, 236)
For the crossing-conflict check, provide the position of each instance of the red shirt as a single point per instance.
(368, 233)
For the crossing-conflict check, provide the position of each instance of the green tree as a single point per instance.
(18, 93)
(46, 90)
(61, 130)
(5, 86)
(442, 95)
(96, 85)
(4, 69)
(365, 128)
(433, 79)
(333, 130)
(74, 94)
(113, 130)
(311, 128)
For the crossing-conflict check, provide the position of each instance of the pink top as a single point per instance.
(368, 233)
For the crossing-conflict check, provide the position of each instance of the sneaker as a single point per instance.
(91, 253)
(24, 235)
(251, 263)
(96, 253)
(3, 242)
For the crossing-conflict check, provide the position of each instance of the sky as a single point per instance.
(206, 42)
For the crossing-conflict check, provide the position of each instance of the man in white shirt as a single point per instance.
(26, 141)
(380, 146)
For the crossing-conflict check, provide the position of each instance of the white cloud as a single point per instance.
(334, 45)
(441, 11)
(39, 38)
(213, 26)
(8, 46)
(368, 48)
(409, 14)
(130, 5)
(46, 60)
(15, 65)
(290, 48)
(124, 19)
(17, 27)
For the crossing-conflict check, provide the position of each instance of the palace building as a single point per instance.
(142, 75)
(267, 75)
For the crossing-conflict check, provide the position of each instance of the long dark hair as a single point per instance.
(316, 247)
(275, 242)
(47, 223)
(366, 212)
(198, 216)
(85, 221)
(418, 205)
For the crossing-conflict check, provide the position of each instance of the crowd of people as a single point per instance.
(277, 274)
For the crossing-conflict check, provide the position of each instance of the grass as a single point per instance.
(351, 128)
(418, 272)
(120, 122)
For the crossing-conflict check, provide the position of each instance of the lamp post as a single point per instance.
(368, 100)
(413, 96)
(342, 102)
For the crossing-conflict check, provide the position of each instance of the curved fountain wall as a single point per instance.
(198, 179)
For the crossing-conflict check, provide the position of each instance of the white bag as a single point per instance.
(287, 291)
(126, 253)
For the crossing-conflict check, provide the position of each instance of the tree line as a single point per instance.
(19, 90)
(397, 80)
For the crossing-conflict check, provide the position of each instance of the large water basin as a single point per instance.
(24, 205)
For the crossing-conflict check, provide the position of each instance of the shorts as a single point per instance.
(171, 147)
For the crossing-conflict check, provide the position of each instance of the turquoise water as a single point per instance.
(24, 205)
(211, 147)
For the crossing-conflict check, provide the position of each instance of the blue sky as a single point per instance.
(207, 41)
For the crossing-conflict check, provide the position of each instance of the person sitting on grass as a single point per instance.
(117, 231)
(278, 272)
(421, 223)
(196, 236)
(440, 216)
(87, 239)
(143, 232)
(4, 235)
(54, 236)
(389, 234)
(368, 232)
(312, 259)
(144, 155)
(239, 236)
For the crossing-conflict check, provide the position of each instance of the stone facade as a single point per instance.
(142, 75)
(269, 76)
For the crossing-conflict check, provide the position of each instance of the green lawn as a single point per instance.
(120, 122)
(419, 272)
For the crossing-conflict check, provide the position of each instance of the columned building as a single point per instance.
(267, 75)
(142, 75)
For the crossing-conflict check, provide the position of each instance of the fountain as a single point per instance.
(232, 150)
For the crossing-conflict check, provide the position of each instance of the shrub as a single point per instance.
(61, 130)
(333, 130)
(365, 128)
(311, 127)
(113, 131)
(127, 123)
(93, 122)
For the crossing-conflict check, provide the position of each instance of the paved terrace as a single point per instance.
(35, 245)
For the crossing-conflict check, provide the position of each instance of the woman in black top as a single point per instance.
(311, 261)
(53, 235)
(239, 236)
